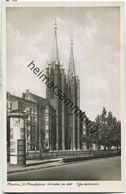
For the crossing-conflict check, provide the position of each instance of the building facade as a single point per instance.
(35, 107)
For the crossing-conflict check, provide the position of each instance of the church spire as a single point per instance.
(55, 57)
(71, 70)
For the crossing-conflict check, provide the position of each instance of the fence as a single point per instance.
(69, 153)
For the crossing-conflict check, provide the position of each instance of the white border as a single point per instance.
(104, 186)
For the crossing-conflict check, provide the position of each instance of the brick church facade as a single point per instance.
(68, 126)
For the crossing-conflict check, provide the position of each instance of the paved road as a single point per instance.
(100, 169)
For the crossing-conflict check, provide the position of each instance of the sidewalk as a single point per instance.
(34, 164)
(40, 164)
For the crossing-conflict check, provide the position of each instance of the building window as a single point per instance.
(28, 137)
(28, 118)
(11, 133)
(33, 119)
(11, 105)
(46, 122)
(47, 135)
(34, 111)
(47, 127)
(84, 132)
(46, 118)
(22, 135)
(47, 110)
(27, 109)
(46, 145)
(30, 110)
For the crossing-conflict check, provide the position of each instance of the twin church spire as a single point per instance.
(55, 57)
(71, 70)
(67, 90)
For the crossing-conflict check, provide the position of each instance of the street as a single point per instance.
(99, 169)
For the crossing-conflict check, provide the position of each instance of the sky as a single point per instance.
(96, 44)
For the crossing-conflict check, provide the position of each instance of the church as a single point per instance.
(68, 125)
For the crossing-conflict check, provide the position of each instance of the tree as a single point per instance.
(103, 128)
(109, 133)
(115, 137)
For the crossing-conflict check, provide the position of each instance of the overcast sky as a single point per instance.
(96, 37)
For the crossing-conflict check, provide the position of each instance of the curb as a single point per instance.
(28, 169)
(43, 162)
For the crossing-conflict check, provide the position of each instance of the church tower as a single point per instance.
(53, 71)
(74, 93)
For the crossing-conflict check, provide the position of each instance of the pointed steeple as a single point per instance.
(55, 55)
(71, 70)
